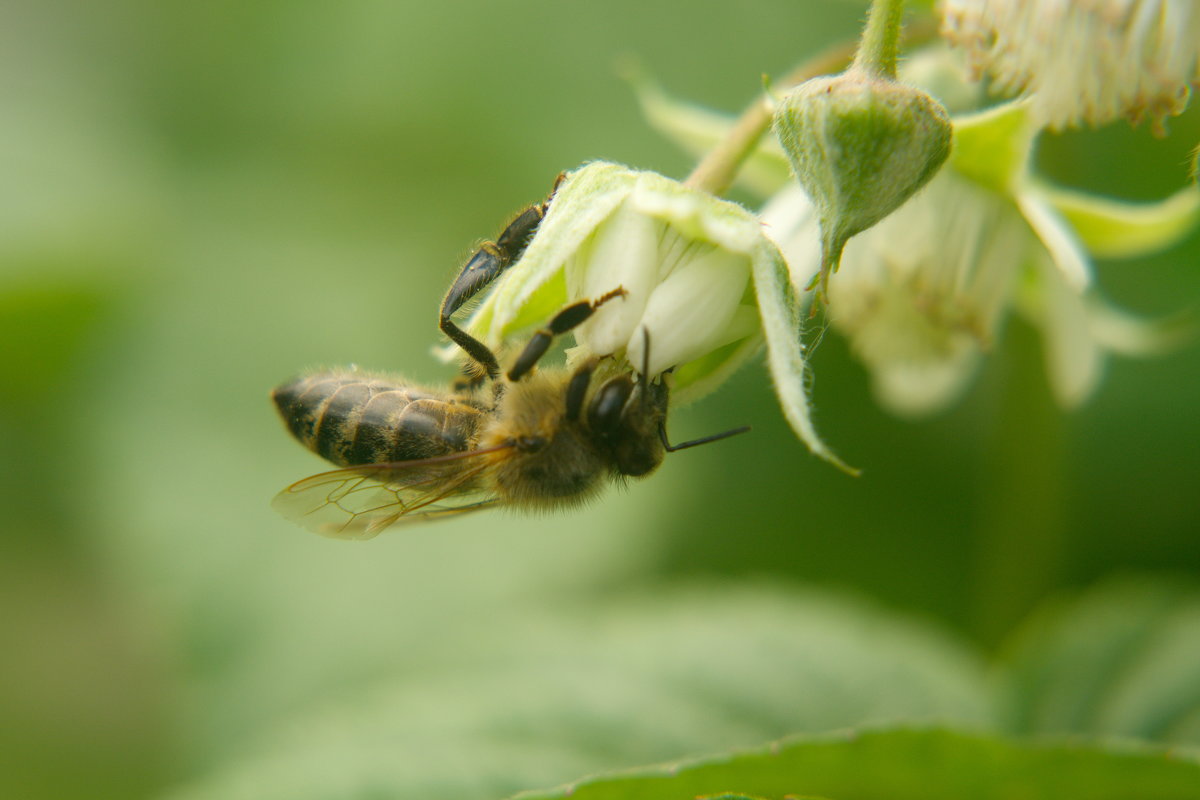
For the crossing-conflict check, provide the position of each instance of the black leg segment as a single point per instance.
(484, 266)
(577, 390)
(570, 317)
(487, 264)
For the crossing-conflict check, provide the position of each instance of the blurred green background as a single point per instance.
(198, 200)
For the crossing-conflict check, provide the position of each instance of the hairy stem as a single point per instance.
(716, 171)
(881, 40)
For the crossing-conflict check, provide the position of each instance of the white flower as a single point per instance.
(1087, 61)
(688, 294)
(699, 279)
(922, 295)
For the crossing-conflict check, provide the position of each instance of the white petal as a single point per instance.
(1073, 358)
(695, 379)
(688, 313)
(917, 389)
(790, 221)
(1064, 246)
(623, 254)
(1121, 332)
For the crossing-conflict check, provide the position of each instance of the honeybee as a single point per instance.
(541, 439)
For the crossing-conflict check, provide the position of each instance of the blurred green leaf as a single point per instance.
(918, 764)
(655, 678)
(48, 329)
(199, 199)
(43, 327)
(1120, 660)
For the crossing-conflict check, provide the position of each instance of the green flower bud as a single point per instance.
(860, 144)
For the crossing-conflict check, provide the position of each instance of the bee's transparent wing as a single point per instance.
(360, 502)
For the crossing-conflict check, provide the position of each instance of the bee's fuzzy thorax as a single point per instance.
(553, 463)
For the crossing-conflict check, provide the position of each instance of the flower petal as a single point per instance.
(688, 312)
(696, 378)
(790, 220)
(623, 254)
(918, 389)
(1074, 359)
(1060, 241)
(1121, 332)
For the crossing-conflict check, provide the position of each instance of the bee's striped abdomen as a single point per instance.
(353, 418)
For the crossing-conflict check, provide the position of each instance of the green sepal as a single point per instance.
(1112, 228)
(697, 130)
(782, 315)
(992, 147)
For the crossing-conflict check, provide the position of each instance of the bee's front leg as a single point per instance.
(570, 317)
(484, 266)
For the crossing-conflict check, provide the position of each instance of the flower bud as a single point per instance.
(860, 145)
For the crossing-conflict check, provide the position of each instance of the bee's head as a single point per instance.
(626, 418)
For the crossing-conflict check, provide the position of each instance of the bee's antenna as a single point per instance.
(645, 350)
(662, 428)
(716, 437)
(645, 365)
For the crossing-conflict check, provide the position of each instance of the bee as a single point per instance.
(542, 439)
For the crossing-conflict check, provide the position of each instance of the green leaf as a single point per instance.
(918, 764)
(549, 698)
(1116, 229)
(45, 326)
(1120, 660)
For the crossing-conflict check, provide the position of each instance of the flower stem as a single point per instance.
(881, 40)
(1021, 535)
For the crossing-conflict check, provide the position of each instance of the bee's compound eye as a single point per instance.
(604, 413)
(530, 444)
